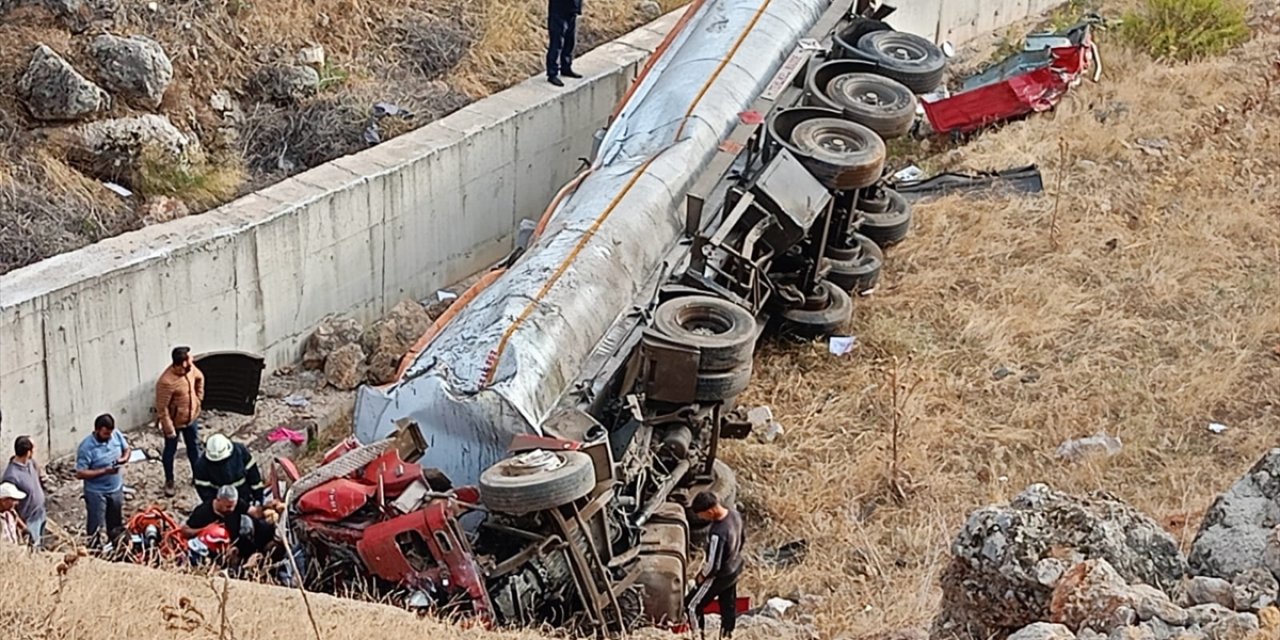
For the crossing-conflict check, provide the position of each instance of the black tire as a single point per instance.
(723, 332)
(505, 491)
(861, 272)
(907, 58)
(829, 319)
(842, 155)
(718, 386)
(882, 104)
(891, 227)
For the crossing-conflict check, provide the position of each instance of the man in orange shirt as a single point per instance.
(179, 392)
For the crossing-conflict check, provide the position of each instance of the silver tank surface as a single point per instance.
(649, 158)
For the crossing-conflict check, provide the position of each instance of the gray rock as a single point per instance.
(1206, 614)
(332, 333)
(649, 9)
(1236, 626)
(1153, 604)
(1254, 589)
(344, 368)
(1136, 632)
(992, 586)
(1237, 527)
(1271, 555)
(1208, 590)
(1160, 630)
(389, 338)
(1189, 634)
(135, 67)
(284, 83)
(53, 90)
(1090, 634)
(1043, 631)
(115, 149)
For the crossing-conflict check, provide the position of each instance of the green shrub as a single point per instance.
(201, 183)
(1186, 29)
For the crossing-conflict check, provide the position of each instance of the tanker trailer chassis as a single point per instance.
(588, 529)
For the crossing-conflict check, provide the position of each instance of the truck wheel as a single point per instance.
(860, 272)
(536, 481)
(718, 386)
(724, 332)
(891, 227)
(907, 58)
(882, 104)
(823, 321)
(841, 154)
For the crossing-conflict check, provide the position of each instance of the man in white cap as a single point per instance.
(11, 526)
(227, 464)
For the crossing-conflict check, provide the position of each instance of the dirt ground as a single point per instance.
(1137, 296)
(326, 411)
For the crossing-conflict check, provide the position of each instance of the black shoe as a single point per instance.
(571, 74)
(555, 80)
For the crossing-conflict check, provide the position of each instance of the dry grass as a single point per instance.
(1157, 314)
(429, 56)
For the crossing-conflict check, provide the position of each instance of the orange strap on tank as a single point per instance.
(496, 355)
(723, 63)
(568, 188)
(439, 324)
(694, 7)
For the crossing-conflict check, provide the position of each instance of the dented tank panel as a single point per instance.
(612, 232)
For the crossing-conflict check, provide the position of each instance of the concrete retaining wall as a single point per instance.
(89, 331)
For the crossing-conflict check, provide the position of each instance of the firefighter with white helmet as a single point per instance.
(228, 464)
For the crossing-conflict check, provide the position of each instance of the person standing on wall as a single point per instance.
(26, 474)
(100, 461)
(179, 392)
(562, 35)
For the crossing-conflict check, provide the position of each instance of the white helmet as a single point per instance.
(217, 448)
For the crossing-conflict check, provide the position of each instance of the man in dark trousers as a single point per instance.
(179, 393)
(562, 32)
(718, 578)
(227, 463)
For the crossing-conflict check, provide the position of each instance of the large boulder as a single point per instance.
(284, 83)
(388, 339)
(1092, 595)
(1240, 524)
(1007, 560)
(344, 368)
(53, 90)
(135, 67)
(119, 149)
(334, 332)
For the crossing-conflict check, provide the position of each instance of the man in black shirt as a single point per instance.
(718, 578)
(249, 530)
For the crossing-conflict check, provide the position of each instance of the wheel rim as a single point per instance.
(531, 462)
(852, 91)
(703, 322)
(905, 52)
(831, 139)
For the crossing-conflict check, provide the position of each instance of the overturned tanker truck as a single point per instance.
(532, 461)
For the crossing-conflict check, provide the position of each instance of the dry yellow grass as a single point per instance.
(1157, 313)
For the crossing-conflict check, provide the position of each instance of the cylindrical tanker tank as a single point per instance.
(499, 367)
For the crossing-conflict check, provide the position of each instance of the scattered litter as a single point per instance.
(1003, 478)
(284, 433)
(772, 432)
(777, 607)
(524, 233)
(153, 7)
(1029, 377)
(418, 600)
(760, 417)
(791, 553)
(909, 174)
(1019, 180)
(445, 295)
(312, 56)
(296, 401)
(1217, 427)
(137, 455)
(841, 345)
(1001, 373)
(382, 110)
(118, 189)
(948, 49)
(1099, 444)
